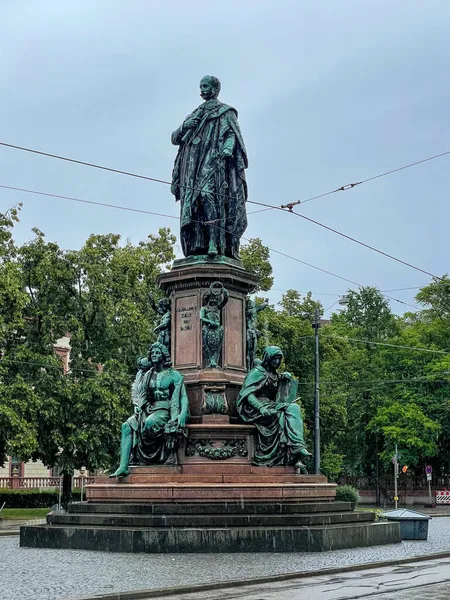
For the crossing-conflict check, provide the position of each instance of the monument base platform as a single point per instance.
(210, 528)
(222, 481)
(200, 507)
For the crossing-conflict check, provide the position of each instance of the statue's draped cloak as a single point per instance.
(200, 175)
(280, 435)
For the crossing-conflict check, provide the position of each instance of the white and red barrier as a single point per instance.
(442, 496)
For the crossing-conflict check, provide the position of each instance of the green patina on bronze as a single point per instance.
(251, 312)
(212, 329)
(215, 403)
(209, 177)
(163, 308)
(207, 449)
(161, 409)
(268, 400)
(200, 259)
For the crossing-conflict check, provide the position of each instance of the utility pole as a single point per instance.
(396, 476)
(316, 326)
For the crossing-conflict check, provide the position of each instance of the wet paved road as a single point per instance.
(425, 580)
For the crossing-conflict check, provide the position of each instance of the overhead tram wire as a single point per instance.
(127, 208)
(266, 206)
(352, 239)
(93, 202)
(336, 382)
(117, 171)
(350, 186)
(361, 341)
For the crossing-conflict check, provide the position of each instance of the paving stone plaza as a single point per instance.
(47, 574)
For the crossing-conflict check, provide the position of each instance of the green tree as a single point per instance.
(100, 294)
(294, 305)
(408, 426)
(19, 401)
(256, 259)
(435, 298)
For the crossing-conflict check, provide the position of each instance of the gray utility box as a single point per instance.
(414, 525)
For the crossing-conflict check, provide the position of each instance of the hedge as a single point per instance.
(347, 493)
(31, 498)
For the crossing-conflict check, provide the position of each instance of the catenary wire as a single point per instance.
(322, 382)
(142, 211)
(126, 208)
(352, 239)
(350, 339)
(350, 186)
(119, 171)
(266, 206)
(361, 341)
(117, 206)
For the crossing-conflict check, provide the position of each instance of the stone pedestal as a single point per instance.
(211, 498)
(210, 391)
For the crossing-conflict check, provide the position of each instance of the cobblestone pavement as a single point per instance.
(48, 574)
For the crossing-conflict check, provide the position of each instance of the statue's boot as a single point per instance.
(299, 466)
(304, 452)
(121, 472)
(212, 249)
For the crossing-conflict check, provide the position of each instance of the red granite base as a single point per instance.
(212, 483)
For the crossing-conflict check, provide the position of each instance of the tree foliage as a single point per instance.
(384, 378)
(256, 259)
(100, 294)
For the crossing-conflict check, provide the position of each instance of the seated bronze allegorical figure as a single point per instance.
(268, 400)
(161, 410)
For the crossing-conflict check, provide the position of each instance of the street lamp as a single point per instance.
(316, 326)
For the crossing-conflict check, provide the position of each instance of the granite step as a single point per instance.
(211, 539)
(208, 520)
(137, 477)
(209, 492)
(228, 467)
(210, 508)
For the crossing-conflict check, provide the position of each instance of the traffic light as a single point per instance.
(404, 469)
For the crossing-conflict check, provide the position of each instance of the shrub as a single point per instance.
(347, 493)
(30, 498)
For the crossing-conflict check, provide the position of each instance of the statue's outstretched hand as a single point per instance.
(286, 376)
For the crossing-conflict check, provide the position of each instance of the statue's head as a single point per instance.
(209, 87)
(214, 295)
(163, 305)
(272, 357)
(210, 299)
(158, 353)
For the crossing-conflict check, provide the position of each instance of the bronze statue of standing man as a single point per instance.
(209, 177)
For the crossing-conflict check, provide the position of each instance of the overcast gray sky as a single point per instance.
(328, 93)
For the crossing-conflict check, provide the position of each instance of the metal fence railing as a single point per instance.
(36, 483)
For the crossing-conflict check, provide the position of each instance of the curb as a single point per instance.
(204, 587)
(9, 532)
